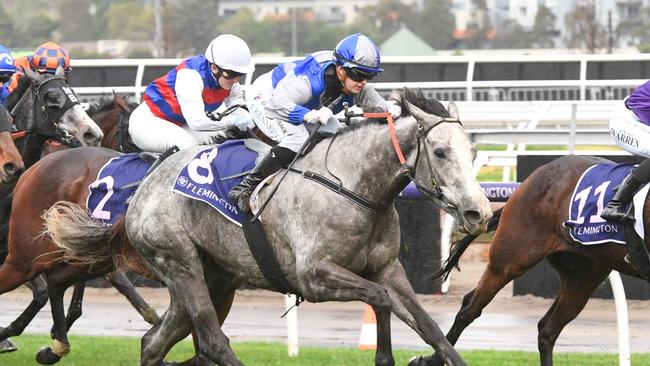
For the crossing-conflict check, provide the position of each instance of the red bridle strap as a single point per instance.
(393, 134)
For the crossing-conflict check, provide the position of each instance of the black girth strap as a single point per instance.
(266, 259)
(368, 205)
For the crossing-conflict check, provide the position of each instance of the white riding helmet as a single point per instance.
(230, 52)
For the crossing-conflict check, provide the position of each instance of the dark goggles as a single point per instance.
(5, 78)
(358, 75)
(229, 74)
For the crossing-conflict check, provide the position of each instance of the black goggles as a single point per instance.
(229, 74)
(5, 78)
(358, 75)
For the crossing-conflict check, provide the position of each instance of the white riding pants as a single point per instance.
(629, 132)
(286, 134)
(151, 133)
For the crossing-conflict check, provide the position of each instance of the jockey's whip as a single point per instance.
(300, 152)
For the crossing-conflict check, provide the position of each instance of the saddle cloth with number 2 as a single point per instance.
(594, 189)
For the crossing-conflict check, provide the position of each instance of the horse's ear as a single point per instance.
(59, 72)
(416, 112)
(33, 75)
(453, 110)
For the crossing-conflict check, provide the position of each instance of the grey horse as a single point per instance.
(329, 247)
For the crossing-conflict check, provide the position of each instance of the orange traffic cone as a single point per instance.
(368, 337)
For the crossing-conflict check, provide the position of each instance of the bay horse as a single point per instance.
(529, 228)
(330, 247)
(48, 108)
(11, 163)
(31, 254)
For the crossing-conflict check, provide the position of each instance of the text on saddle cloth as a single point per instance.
(116, 181)
(201, 180)
(594, 189)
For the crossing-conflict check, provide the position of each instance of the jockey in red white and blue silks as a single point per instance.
(307, 92)
(177, 106)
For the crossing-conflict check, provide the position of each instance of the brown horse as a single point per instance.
(11, 163)
(26, 224)
(46, 182)
(529, 228)
(107, 116)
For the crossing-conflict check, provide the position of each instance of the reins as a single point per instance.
(407, 170)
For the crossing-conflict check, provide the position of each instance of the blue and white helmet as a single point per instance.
(7, 67)
(359, 52)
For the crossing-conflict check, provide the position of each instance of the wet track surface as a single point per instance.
(508, 323)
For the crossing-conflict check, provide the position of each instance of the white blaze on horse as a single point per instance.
(330, 247)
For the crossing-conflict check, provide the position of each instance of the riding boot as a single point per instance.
(615, 209)
(275, 160)
(167, 153)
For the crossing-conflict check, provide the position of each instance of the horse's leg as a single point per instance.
(222, 304)
(60, 345)
(74, 309)
(504, 265)
(579, 277)
(121, 282)
(409, 310)
(174, 325)
(327, 281)
(39, 299)
(179, 267)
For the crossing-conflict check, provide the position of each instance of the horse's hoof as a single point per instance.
(425, 361)
(7, 345)
(194, 361)
(45, 356)
(414, 361)
(151, 317)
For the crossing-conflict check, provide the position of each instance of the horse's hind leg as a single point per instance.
(39, 299)
(579, 277)
(174, 325)
(60, 345)
(179, 267)
(121, 282)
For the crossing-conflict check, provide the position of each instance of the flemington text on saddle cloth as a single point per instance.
(594, 189)
(201, 178)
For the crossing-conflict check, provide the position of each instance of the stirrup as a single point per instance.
(614, 211)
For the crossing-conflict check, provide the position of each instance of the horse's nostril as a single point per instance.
(472, 216)
(91, 138)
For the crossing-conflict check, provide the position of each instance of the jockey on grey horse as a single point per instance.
(298, 95)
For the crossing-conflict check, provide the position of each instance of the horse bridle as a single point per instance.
(409, 170)
(40, 108)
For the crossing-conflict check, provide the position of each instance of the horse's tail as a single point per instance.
(88, 241)
(461, 245)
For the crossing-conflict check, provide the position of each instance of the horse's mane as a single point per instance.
(107, 104)
(428, 105)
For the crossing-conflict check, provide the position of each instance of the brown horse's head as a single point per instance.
(110, 116)
(11, 163)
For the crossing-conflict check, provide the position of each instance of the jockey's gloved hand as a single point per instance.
(319, 115)
(394, 103)
(236, 96)
(240, 118)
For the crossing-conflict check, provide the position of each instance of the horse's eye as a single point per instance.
(439, 153)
